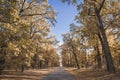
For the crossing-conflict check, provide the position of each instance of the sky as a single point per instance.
(65, 16)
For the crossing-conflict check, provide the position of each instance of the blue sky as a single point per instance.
(65, 16)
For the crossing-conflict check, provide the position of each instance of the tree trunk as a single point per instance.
(2, 62)
(98, 57)
(22, 67)
(105, 45)
(119, 61)
(2, 58)
(75, 55)
(71, 64)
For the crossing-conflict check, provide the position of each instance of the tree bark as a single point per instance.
(75, 55)
(2, 58)
(105, 45)
(22, 67)
(98, 57)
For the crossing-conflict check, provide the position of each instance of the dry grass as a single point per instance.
(26, 75)
(91, 74)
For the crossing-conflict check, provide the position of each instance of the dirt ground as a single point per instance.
(41, 74)
(93, 74)
(59, 74)
(26, 75)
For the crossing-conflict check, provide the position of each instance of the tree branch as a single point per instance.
(101, 6)
(112, 21)
(33, 14)
(21, 10)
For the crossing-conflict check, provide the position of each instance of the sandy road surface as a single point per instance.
(59, 74)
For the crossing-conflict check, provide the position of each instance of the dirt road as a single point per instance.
(59, 74)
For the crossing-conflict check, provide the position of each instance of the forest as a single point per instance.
(92, 43)
(24, 35)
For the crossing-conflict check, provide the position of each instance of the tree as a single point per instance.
(103, 16)
(69, 38)
(21, 21)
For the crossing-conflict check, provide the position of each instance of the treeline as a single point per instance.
(94, 41)
(25, 40)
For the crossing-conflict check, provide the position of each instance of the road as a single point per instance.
(59, 74)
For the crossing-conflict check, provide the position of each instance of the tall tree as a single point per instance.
(21, 21)
(103, 14)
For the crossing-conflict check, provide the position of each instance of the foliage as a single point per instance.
(99, 20)
(24, 26)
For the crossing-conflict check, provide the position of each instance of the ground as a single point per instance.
(41, 74)
(60, 74)
(26, 75)
(93, 74)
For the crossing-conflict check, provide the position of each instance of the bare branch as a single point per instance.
(21, 10)
(33, 14)
(101, 6)
(112, 21)
(29, 7)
